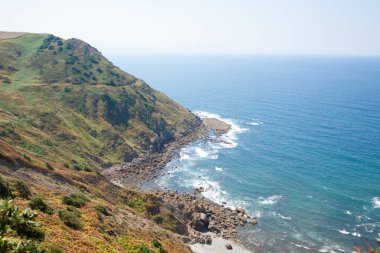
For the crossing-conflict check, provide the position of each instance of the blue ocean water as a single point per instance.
(304, 151)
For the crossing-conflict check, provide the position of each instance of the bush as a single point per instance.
(70, 219)
(158, 245)
(27, 157)
(66, 89)
(6, 80)
(37, 203)
(19, 231)
(75, 199)
(49, 166)
(74, 211)
(102, 210)
(5, 190)
(54, 249)
(23, 189)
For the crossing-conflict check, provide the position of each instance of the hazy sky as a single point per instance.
(204, 26)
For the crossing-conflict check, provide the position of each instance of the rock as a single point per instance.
(254, 222)
(199, 226)
(208, 240)
(203, 218)
(199, 190)
(243, 219)
(186, 239)
(213, 228)
(228, 246)
(377, 240)
(240, 210)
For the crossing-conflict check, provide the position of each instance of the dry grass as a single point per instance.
(10, 35)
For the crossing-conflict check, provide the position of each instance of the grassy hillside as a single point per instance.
(63, 103)
(66, 112)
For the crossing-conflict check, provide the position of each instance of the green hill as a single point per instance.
(64, 103)
(66, 112)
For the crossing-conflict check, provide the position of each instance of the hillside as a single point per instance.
(63, 103)
(66, 114)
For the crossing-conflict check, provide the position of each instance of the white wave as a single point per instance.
(300, 246)
(281, 216)
(201, 153)
(218, 169)
(356, 234)
(229, 140)
(271, 200)
(348, 212)
(327, 249)
(285, 217)
(343, 231)
(376, 202)
(212, 189)
(255, 122)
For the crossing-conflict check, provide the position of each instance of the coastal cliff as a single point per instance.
(67, 115)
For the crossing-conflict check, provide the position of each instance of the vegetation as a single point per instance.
(22, 189)
(19, 232)
(66, 113)
(70, 219)
(37, 203)
(5, 190)
(75, 199)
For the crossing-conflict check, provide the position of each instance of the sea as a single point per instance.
(303, 154)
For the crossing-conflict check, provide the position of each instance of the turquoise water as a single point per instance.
(304, 153)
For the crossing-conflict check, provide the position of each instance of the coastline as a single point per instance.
(211, 226)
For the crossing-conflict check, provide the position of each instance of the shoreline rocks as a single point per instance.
(203, 216)
(217, 126)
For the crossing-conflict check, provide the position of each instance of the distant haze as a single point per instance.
(319, 27)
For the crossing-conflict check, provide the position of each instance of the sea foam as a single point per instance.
(376, 202)
(271, 200)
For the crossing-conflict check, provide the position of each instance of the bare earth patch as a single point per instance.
(10, 35)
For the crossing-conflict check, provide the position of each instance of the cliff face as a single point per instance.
(61, 101)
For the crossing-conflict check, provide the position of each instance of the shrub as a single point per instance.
(66, 89)
(6, 80)
(102, 210)
(70, 219)
(74, 211)
(158, 245)
(137, 204)
(75, 199)
(19, 231)
(23, 189)
(54, 249)
(49, 166)
(27, 157)
(5, 190)
(37, 203)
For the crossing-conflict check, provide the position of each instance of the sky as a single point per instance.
(243, 27)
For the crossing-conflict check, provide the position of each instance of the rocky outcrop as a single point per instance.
(202, 216)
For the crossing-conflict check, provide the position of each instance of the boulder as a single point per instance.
(228, 246)
(240, 210)
(199, 226)
(254, 222)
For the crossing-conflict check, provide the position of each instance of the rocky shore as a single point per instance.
(145, 167)
(203, 216)
(204, 219)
